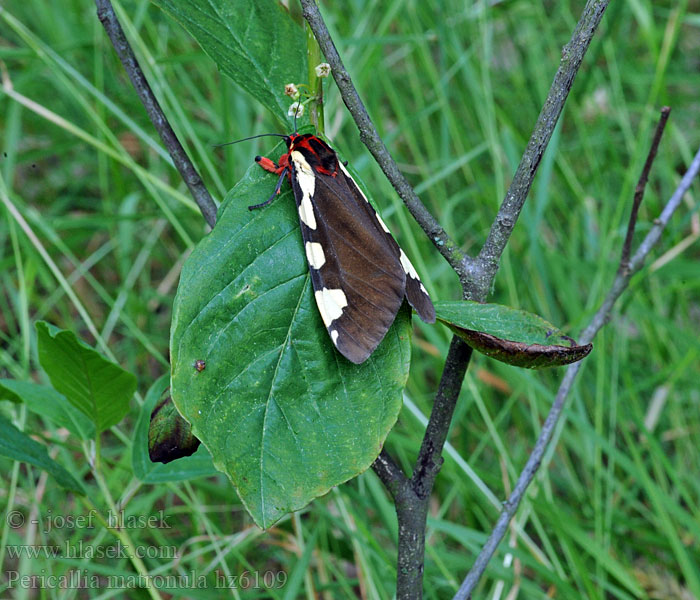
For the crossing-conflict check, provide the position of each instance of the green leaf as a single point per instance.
(197, 465)
(10, 392)
(283, 414)
(97, 387)
(256, 44)
(18, 446)
(512, 336)
(47, 402)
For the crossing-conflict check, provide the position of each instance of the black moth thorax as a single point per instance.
(319, 155)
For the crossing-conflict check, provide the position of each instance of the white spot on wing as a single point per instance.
(334, 336)
(307, 182)
(407, 266)
(330, 304)
(315, 255)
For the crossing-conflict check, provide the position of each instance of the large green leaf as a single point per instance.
(197, 465)
(97, 387)
(47, 402)
(512, 336)
(19, 446)
(256, 44)
(280, 410)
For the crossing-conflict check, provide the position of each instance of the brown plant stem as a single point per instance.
(482, 270)
(601, 317)
(641, 186)
(106, 15)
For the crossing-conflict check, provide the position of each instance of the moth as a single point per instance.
(360, 275)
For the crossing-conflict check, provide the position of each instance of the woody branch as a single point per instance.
(188, 172)
(628, 267)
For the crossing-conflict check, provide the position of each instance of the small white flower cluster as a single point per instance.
(291, 90)
(323, 70)
(296, 109)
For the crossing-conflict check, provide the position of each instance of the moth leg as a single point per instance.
(277, 190)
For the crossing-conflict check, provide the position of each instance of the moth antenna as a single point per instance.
(252, 137)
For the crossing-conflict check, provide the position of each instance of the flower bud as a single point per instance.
(295, 109)
(291, 90)
(323, 70)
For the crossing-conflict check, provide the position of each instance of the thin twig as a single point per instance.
(601, 317)
(370, 137)
(482, 270)
(526, 476)
(641, 186)
(390, 474)
(105, 12)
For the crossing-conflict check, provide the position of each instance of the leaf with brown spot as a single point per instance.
(509, 335)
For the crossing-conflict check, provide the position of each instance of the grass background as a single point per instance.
(455, 89)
